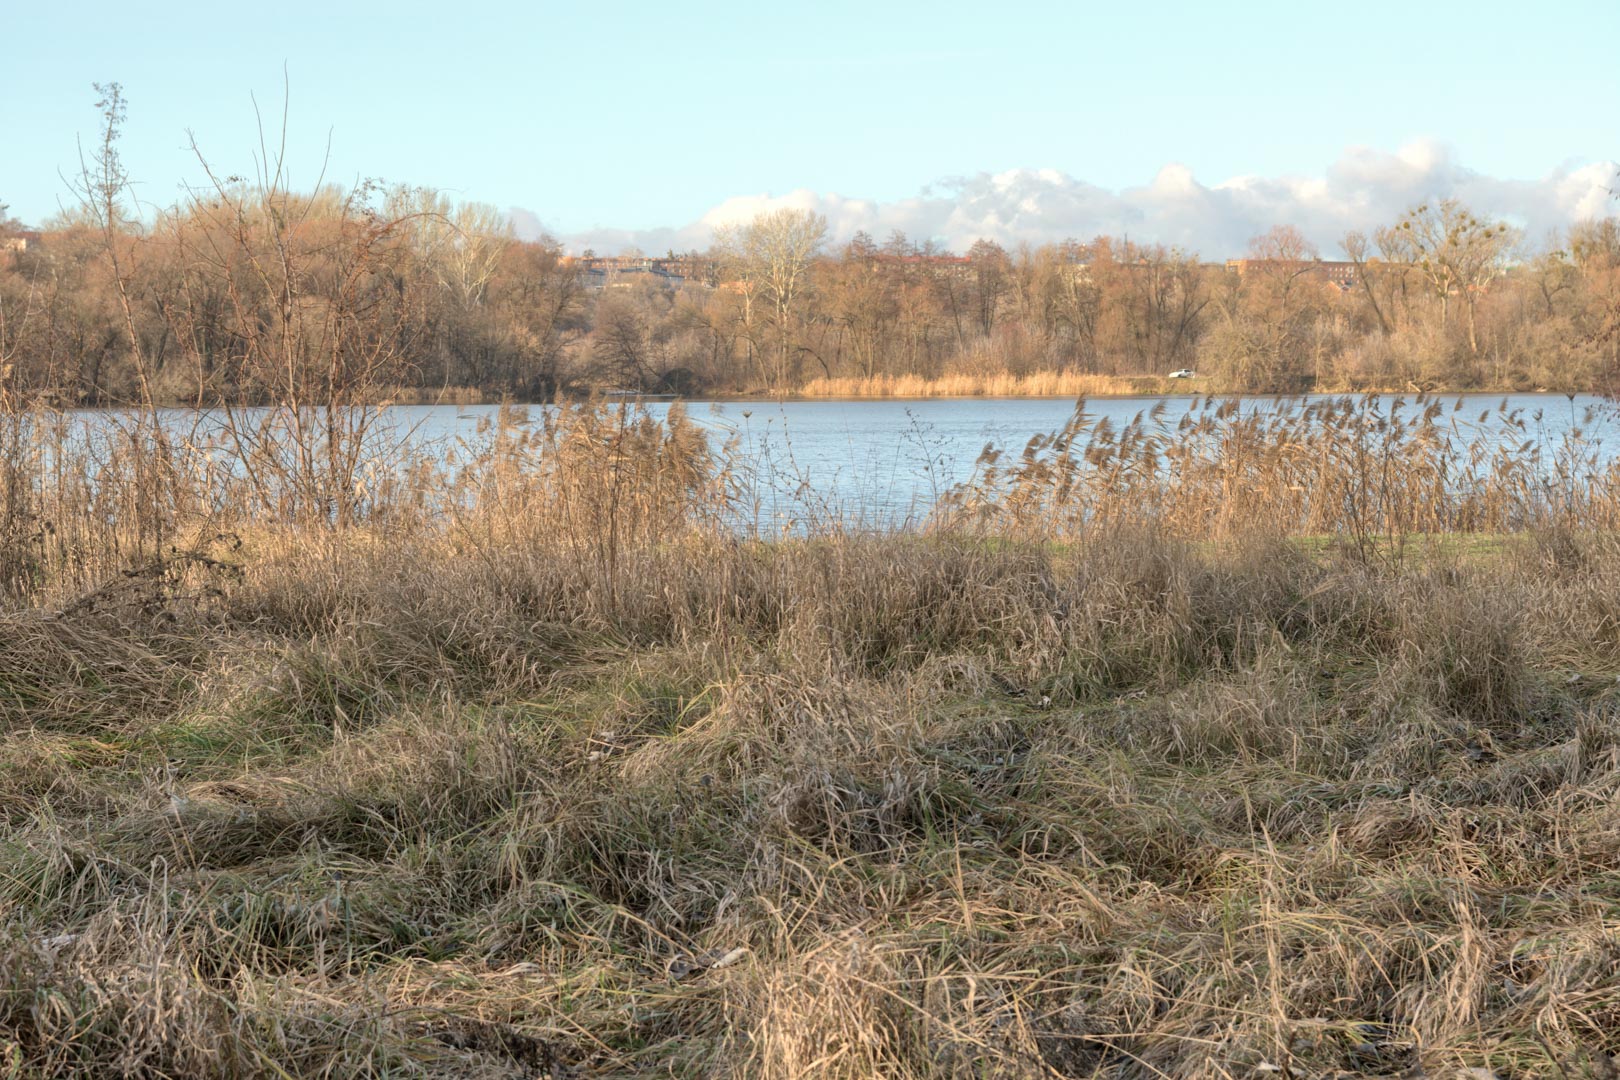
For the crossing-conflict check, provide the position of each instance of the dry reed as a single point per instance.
(1358, 469)
(1053, 384)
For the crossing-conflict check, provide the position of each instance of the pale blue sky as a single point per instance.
(637, 115)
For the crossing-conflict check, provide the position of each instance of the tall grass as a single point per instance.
(540, 767)
(83, 499)
(1361, 469)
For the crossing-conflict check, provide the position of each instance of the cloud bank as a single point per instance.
(1364, 189)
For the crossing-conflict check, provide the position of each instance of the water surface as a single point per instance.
(885, 462)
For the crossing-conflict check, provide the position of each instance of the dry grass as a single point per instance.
(435, 395)
(547, 772)
(1053, 384)
(1363, 470)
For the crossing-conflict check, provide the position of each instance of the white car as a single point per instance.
(1184, 373)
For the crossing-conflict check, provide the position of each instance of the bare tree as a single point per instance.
(541, 300)
(316, 326)
(1356, 247)
(13, 321)
(461, 244)
(102, 186)
(740, 274)
(1456, 252)
(991, 271)
(621, 345)
(771, 258)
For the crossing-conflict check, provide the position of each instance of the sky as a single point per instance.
(646, 124)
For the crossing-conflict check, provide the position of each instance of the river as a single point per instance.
(886, 461)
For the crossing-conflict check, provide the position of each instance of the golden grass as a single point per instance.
(1368, 471)
(1055, 384)
(434, 395)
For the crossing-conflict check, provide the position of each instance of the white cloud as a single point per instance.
(1365, 188)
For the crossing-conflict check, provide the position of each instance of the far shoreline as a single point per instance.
(1178, 392)
(467, 398)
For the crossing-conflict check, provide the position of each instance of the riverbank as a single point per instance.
(1002, 384)
(1047, 385)
(1053, 385)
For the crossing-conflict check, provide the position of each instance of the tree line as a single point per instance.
(248, 291)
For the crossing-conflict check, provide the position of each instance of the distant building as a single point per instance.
(1343, 274)
(622, 271)
(18, 242)
(600, 272)
(930, 261)
(933, 266)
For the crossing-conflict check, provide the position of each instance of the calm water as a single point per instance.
(887, 461)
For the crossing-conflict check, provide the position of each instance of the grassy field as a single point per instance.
(562, 779)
